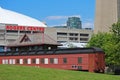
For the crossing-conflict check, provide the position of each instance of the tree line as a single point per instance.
(110, 43)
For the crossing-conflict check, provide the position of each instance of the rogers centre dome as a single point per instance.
(11, 17)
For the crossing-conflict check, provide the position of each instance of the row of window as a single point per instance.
(36, 61)
(30, 61)
(72, 39)
(72, 34)
(16, 31)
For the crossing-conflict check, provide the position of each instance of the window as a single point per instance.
(1, 49)
(79, 67)
(12, 31)
(79, 60)
(33, 61)
(51, 60)
(21, 61)
(6, 61)
(55, 60)
(37, 61)
(46, 60)
(61, 34)
(42, 60)
(84, 34)
(17, 61)
(36, 31)
(84, 39)
(73, 34)
(64, 60)
(76, 38)
(11, 61)
(25, 31)
(3, 61)
(76, 34)
(25, 61)
(71, 38)
(28, 61)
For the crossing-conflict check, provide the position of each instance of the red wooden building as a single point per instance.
(30, 50)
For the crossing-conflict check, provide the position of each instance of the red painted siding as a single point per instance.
(96, 62)
(90, 62)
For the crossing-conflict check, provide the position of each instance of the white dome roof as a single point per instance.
(10, 17)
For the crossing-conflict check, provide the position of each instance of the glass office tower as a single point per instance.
(74, 22)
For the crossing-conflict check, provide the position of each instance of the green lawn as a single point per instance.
(12, 72)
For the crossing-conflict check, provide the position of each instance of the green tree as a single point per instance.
(106, 42)
(115, 30)
(98, 40)
(110, 43)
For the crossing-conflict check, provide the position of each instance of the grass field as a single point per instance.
(12, 72)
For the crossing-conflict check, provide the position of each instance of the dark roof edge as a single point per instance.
(54, 52)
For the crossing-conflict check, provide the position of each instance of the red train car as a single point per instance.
(84, 59)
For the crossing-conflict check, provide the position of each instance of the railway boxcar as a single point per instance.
(84, 59)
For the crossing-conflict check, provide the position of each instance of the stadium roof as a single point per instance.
(11, 17)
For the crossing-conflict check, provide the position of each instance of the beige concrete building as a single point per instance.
(107, 13)
(62, 35)
(10, 32)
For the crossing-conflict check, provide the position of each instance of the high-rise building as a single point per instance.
(74, 22)
(107, 13)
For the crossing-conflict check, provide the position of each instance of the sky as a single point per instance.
(54, 12)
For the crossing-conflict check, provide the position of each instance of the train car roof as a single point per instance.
(54, 52)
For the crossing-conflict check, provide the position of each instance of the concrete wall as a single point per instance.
(106, 14)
